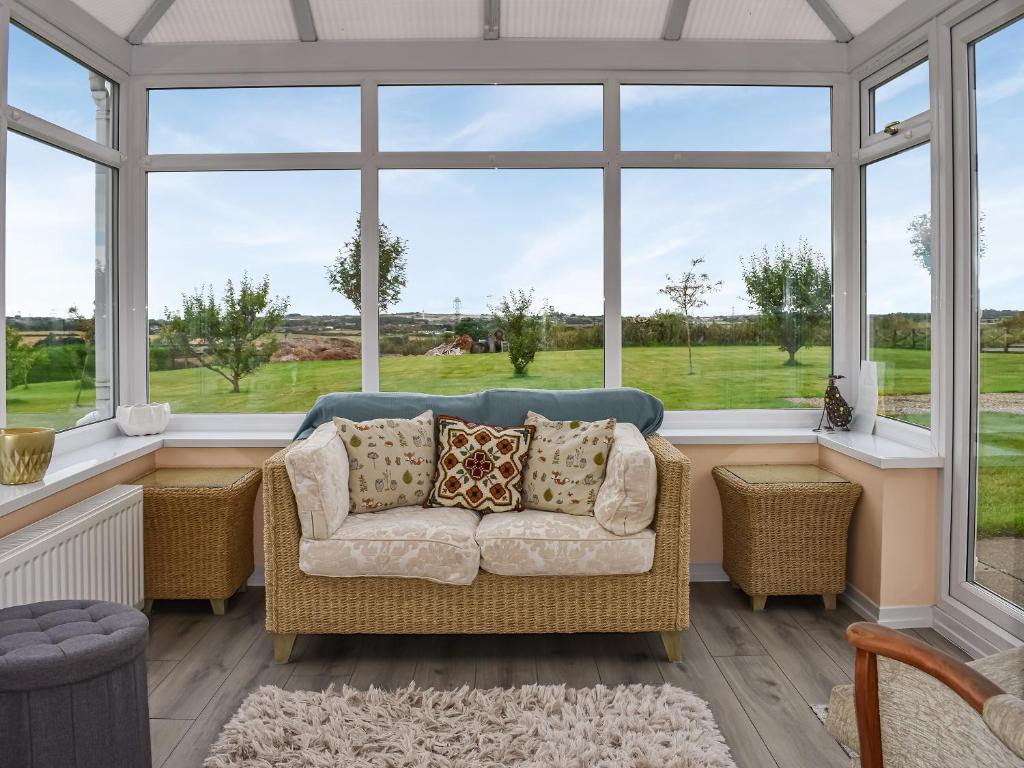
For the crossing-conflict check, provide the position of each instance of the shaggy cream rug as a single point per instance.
(639, 726)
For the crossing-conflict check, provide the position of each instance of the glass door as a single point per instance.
(988, 521)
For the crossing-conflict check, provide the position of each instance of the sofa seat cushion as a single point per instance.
(539, 543)
(436, 544)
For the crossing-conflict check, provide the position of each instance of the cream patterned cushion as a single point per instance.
(625, 501)
(540, 543)
(566, 464)
(436, 544)
(391, 461)
(479, 467)
(318, 470)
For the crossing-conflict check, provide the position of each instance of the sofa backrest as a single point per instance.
(501, 407)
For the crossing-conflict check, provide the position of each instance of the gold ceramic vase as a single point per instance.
(25, 454)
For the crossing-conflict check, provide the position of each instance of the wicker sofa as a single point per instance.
(657, 600)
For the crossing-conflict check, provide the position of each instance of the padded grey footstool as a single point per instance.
(73, 686)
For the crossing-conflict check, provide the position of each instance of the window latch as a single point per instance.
(892, 128)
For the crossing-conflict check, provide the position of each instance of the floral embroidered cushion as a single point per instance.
(479, 467)
(566, 464)
(391, 461)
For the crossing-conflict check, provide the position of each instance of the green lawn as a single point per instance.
(724, 377)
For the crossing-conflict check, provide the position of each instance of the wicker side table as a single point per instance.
(197, 533)
(784, 529)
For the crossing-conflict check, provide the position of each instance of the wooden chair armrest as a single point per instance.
(872, 641)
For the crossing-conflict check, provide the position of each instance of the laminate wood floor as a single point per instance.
(761, 673)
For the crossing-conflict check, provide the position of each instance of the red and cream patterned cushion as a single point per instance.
(479, 467)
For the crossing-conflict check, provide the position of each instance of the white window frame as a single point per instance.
(16, 119)
(875, 147)
(610, 159)
(1000, 612)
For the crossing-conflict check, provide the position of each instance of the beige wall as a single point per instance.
(893, 553)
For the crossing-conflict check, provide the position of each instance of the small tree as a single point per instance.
(522, 325)
(20, 359)
(87, 327)
(920, 229)
(345, 274)
(792, 291)
(232, 337)
(689, 294)
(1012, 327)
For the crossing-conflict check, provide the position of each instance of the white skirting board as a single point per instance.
(899, 617)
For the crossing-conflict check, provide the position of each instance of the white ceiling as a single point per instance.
(211, 21)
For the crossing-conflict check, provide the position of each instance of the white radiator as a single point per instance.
(89, 551)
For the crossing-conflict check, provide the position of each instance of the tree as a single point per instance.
(20, 359)
(232, 337)
(920, 229)
(689, 294)
(87, 327)
(522, 325)
(1012, 327)
(345, 274)
(792, 291)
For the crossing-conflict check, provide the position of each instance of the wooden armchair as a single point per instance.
(917, 706)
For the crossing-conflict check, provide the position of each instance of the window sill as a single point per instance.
(73, 466)
(77, 463)
(877, 451)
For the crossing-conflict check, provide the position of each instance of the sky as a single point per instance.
(475, 234)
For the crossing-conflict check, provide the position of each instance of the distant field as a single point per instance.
(725, 377)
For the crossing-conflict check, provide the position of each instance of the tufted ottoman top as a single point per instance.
(64, 641)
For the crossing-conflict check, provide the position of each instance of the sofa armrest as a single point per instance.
(672, 519)
(281, 532)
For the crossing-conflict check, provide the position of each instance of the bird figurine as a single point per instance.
(837, 413)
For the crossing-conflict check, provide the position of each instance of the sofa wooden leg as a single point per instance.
(283, 645)
(242, 588)
(829, 599)
(673, 642)
(757, 602)
(147, 606)
(218, 604)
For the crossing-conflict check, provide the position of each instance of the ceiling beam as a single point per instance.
(492, 19)
(675, 19)
(835, 25)
(149, 19)
(304, 21)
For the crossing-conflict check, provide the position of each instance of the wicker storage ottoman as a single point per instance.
(197, 534)
(784, 529)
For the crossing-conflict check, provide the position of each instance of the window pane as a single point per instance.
(48, 84)
(207, 120)
(300, 339)
(469, 238)
(59, 307)
(759, 330)
(898, 276)
(902, 97)
(998, 562)
(749, 118)
(490, 118)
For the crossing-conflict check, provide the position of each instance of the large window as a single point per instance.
(60, 224)
(243, 314)
(998, 381)
(473, 244)
(490, 276)
(726, 286)
(898, 282)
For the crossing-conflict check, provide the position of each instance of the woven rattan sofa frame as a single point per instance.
(656, 601)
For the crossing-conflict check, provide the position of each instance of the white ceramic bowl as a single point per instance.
(149, 419)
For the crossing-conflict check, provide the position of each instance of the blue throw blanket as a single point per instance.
(501, 407)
